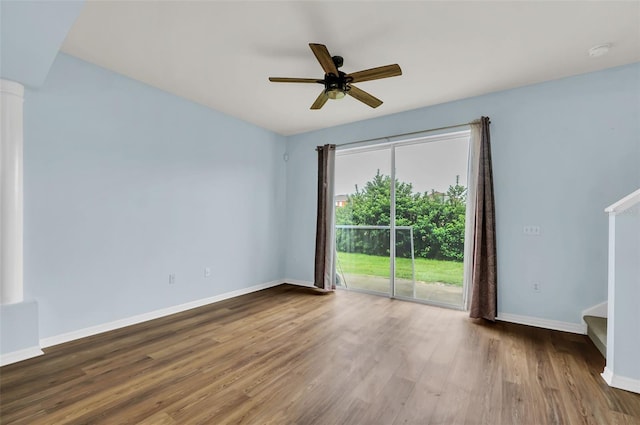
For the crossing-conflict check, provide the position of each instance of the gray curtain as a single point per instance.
(484, 297)
(325, 273)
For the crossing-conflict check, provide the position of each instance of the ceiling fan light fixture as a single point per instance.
(335, 94)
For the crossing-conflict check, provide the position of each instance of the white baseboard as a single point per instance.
(622, 382)
(20, 355)
(299, 282)
(576, 328)
(105, 327)
(607, 375)
(598, 310)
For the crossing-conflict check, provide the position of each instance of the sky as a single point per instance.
(430, 165)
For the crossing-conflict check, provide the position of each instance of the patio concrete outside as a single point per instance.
(425, 291)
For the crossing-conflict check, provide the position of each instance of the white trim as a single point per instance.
(611, 291)
(473, 160)
(622, 382)
(297, 282)
(435, 138)
(556, 325)
(624, 203)
(386, 142)
(117, 324)
(607, 375)
(20, 355)
(392, 223)
(473, 166)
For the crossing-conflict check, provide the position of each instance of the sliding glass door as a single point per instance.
(400, 215)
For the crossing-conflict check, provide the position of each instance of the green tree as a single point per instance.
(438, 220)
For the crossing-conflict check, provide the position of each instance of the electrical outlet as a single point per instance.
(531, 230)
(207, 271)
(172, 278)
(535, 286)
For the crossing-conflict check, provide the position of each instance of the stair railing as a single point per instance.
(623, 335)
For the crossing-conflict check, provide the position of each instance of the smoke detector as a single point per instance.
(599, 50)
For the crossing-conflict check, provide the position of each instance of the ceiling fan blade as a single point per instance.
(364, 97)
(320, 101)
(323, 56)
(376, 73)
(295, 80)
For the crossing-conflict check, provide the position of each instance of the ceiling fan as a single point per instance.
(337, 84)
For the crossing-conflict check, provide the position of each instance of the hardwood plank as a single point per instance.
(484, 406)
(287, 355)
(160, 418)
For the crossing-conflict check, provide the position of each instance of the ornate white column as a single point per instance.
(11, 192)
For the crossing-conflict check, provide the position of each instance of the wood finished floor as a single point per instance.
(289, 356)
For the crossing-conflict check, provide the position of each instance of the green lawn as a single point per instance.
(426, 270)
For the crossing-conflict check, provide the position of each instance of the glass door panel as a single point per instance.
(363, 211)
(430, 201)
(405, 272)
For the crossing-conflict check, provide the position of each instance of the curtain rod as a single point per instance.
(409, 134)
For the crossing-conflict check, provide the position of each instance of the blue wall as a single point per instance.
(562, 152)
(31, 33)
(125, 184)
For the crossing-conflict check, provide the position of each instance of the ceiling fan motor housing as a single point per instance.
(336, 86)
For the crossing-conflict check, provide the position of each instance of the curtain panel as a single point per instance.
(484, 269)
(325, 273)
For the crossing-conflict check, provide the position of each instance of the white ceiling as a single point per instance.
(220, 54)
